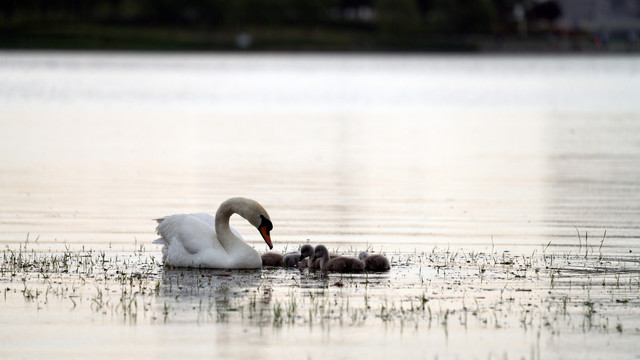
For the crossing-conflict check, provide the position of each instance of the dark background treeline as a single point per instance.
(268, 24)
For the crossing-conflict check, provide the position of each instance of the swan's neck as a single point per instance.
(223, 230)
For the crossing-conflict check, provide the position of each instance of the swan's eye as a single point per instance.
(265, 223)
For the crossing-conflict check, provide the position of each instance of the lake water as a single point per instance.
(396, 151)
(402, 154)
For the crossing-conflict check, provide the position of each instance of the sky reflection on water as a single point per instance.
(395, 151)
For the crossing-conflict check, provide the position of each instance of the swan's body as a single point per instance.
(339, 264)
(202, 240)
(374, 262)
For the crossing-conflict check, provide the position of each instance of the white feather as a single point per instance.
(190, 240)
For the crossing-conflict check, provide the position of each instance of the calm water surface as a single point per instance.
(402, 152)
(408, 155)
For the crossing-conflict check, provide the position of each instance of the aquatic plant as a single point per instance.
(547, 291)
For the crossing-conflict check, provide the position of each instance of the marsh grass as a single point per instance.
(554, 292)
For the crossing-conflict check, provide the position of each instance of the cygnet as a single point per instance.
(339, 264)
(374, 262)
(271, 258)
(291, 259)
(306, 252)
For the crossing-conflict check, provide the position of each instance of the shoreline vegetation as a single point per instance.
(584, 291)
(289, 25)
(97, 37)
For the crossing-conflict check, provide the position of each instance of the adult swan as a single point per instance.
(192, 240)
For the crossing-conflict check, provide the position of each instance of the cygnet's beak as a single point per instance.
(264, 231)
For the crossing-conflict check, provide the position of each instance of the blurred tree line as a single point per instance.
(388, 20)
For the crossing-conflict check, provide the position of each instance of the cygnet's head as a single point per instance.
(320, 251)
(291, 260)
(306, 251)
(363, 255)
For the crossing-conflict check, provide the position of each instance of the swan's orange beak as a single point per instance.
(264, 231)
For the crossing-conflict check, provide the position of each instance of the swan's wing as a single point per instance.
(210, 219)
(190, 231)
(206, 218)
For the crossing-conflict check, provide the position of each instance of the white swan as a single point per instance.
(202, 240)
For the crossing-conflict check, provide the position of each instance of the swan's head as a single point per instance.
(363, 255)
(265, 227)
(253, 212)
